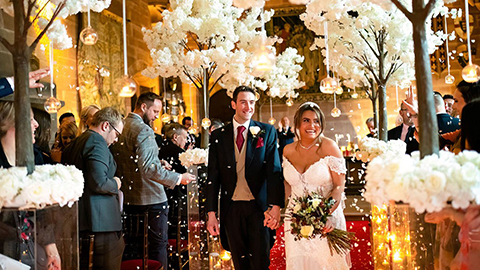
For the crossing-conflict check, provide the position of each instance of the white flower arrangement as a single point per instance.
(194, 156)
(427, 184)
(58, 31)
(226, 38)
(352, 40)
(370, 148)
(47, 185)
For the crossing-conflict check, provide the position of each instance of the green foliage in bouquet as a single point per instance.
(308, 218)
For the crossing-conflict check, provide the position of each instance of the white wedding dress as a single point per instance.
(314, 253)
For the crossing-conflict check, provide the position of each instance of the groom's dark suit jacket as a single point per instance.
(262, 170)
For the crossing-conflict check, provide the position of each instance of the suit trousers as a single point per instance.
(248, 239)
(107, 250)
(158, 230)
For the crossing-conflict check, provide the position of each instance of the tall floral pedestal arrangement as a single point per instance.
(197, 234)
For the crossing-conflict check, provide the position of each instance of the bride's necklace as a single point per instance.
(306, 147)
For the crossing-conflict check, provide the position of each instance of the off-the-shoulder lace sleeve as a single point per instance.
(337, 165)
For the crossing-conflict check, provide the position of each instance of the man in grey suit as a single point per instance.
(142, 174)
(99, 208)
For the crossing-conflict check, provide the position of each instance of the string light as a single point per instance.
(328, 85)
(449, 79)
(52, 104)
(336, 112)
(272, 120)
(88, 35)
(470, 73)
(126, 84)
(354, 94)
(289, 102)
(263, 58)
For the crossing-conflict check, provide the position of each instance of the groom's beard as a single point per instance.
(147, 121)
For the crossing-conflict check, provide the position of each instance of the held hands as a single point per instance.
(272, 218)
(187, 178)
(212, 224)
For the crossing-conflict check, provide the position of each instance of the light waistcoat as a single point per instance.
(242, 191)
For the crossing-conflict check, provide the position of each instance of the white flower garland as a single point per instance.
(47, 185)
(194, 156)
(427, 184)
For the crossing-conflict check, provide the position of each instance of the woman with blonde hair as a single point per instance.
(86, 116)
(65, 135)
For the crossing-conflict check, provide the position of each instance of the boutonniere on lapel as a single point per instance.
(257, 135)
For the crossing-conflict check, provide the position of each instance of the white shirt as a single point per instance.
(405, 128)
(235, 130)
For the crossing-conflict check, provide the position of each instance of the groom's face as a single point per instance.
(244, 106)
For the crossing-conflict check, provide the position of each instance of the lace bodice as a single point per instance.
(317, 177)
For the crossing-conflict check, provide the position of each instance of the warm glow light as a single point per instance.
(328, 85)
(397, 257)
(89, 36)
(355, 94)
(52, 105)
(289, 102)
(272, 121)
(336, 112)
(225, 255)
(257, 96)
(193, 129)
(206, 123)
(339, 90)
(127, 85)
(263, 59)
(471, 73)
(449, 79)
(165, 118)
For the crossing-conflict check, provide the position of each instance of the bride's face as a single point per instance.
(310, 126)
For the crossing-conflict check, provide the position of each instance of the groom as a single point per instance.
(244, 166)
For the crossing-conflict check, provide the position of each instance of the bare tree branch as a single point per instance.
(38, 14)
(55, 14)
(428, 9)
(7, 44)
(190, 77)
(216, 81)
(403, 9)
(369, 45)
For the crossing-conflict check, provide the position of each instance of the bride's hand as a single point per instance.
(328, 226)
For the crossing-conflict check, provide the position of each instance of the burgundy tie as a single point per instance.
(240, 138)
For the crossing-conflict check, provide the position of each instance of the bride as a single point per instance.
(314, 163)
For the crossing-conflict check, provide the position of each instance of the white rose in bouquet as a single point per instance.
(194, 156)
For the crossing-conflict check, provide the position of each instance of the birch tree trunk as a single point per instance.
(21, 62)
(382, 110)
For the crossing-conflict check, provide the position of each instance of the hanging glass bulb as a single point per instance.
(263, 59)
(449, 79)
(339, 90)
(328, 85)
(355, 94)
(272, 121)
(89, 36)
(289, 102)
(52, 105)
(127, 86)
(165, 117)
(336, 112)
(206, 123)
(471, 73)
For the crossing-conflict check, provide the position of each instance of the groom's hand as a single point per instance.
(212, 224)
(272, 217)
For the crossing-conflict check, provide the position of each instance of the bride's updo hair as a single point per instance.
(309, 106)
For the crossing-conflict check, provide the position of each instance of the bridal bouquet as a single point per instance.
(370, 148)
(308, 218)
